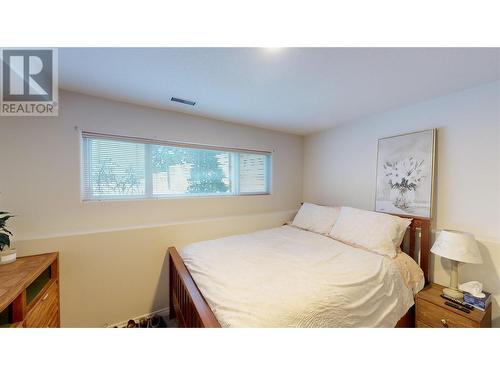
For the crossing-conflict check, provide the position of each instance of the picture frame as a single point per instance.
(406, 174)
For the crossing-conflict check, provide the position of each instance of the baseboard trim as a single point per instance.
(162, 312)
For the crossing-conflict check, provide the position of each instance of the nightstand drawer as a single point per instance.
(438, 317)
(419, 324)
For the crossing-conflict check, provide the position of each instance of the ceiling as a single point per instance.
(296, 90)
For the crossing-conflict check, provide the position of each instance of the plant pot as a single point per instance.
(7, 256)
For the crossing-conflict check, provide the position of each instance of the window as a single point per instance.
(120, 168)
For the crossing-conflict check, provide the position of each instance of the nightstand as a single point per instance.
(431, 312)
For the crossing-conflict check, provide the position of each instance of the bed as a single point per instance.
(290, 277)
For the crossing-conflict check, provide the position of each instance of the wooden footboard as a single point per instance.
(186, 302)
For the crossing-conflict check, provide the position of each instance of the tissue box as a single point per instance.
(480, 303)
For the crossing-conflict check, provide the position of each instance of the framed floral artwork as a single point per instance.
(405, 174)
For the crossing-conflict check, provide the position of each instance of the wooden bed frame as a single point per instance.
(188, 305)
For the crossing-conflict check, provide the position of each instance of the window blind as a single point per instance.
(253, 173)
(116, 167)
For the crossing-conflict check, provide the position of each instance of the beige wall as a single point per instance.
(340, 169)
(41, 183)
(110, 277)
(113, 275)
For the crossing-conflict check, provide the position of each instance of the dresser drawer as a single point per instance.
(438, 317)
(45, 312)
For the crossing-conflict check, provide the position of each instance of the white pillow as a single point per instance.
(378, 232)
(319, 219)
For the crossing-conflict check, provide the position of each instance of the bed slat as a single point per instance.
(186, 301)
(420, 226)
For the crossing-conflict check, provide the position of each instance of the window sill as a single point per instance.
(172, 197)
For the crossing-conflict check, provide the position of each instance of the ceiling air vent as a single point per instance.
(182, 101)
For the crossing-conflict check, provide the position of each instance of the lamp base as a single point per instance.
(453, 293)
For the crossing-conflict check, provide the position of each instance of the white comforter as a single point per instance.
(288, 277)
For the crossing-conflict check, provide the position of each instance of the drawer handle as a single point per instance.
(45, 297)
(444, 322)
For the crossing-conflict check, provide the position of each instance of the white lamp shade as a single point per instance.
(459, 246)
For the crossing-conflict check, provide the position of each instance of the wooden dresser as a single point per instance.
(433, 313)
(29, 292)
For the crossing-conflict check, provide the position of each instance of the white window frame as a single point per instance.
(148, 194)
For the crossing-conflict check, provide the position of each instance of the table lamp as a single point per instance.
(458, 247)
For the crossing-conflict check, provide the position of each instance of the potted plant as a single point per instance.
(6, 256)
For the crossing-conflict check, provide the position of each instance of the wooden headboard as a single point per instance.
(419, 227)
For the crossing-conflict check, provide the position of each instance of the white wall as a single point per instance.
(40, 183)
(340, 169)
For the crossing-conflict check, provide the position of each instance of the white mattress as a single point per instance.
(288, 277)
